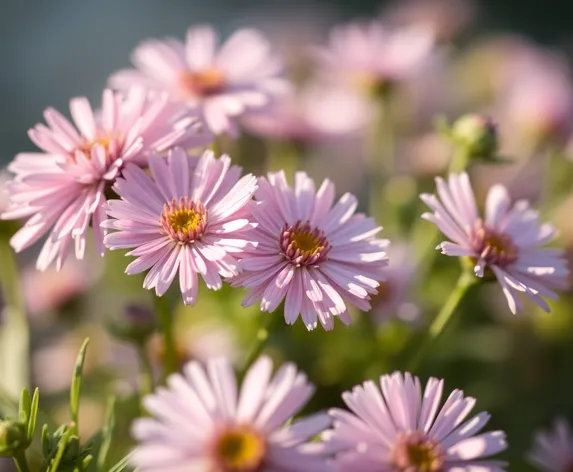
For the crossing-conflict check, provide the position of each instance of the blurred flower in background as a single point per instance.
(553, 450)
(220, 82)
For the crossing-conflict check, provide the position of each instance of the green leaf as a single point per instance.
(45, 440)
(24, 407)
(107, 435)
(76, 384)
(122, 464)
(33, 414)
(60, 451)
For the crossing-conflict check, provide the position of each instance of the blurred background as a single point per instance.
(520, 368)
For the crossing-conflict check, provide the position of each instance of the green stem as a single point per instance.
(260, 342)
(21, 461)
(166, 324)
(15, 331)
(381, 154)
(146, 376)
(284, 156)
(466, 280)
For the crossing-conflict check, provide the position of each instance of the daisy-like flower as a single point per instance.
(399, 429)
(202, 422)
(62, 189)
(393, 297)
(315, 255)
(185, 220)
(553, 450)
(306, 116)
(371, 55)
(220, 82)
(506, 243)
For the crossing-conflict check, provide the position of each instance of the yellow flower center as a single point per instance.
(414, 452)
(239, 449)
(306, 242)
(302, 244)
(203, 83)
(184, 220)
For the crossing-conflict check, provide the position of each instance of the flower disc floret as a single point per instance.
(239, 449)
(414, 452)
(184, 220)
(302, 244)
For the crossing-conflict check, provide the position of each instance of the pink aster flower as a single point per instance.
(315, 256)
(400, 429)
(62, 189)
(202, 422)
(306, 116)
(371, 54)
(506, 243)
(553, 450)
(183, 220)
(221, 82)
(393, 297)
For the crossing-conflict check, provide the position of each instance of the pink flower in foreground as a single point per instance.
(553, 450)
(371, 54)
(62, 189)
(312, 254)
(184, 220)
(202, 422)
(505, 243)
(220, 82)
(401, 430)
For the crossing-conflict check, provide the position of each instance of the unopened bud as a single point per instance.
(12, 437)
(136, 324)
(477, 135)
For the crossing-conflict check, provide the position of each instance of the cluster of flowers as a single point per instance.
(193, 214)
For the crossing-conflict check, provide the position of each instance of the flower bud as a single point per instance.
(12, 437)
(136, 325)
(477, 135)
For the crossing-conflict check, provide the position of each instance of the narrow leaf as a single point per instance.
(24, 407)
(122, 464)
(60, 451)
(107, 435)
(33, 414)
(76, 384)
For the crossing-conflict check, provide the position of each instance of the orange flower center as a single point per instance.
(239, 449)
(184, 220)
(203, 83)
(303, 245)
(414, 452)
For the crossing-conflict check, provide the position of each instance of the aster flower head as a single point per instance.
(395, 427)
(553, 450)
(187, 219)
(372, 55)
(62, 189)
(202, 422)
(306, 115)
(220, 81)
(314, 254)
(506, 243)
(393, 297)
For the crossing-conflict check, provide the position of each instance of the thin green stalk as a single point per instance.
(284, 156)
(466, 280)
(260, 341)
(21, 461)
(146, 375)
(166, 325)
(15, 331)
(381, 154)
